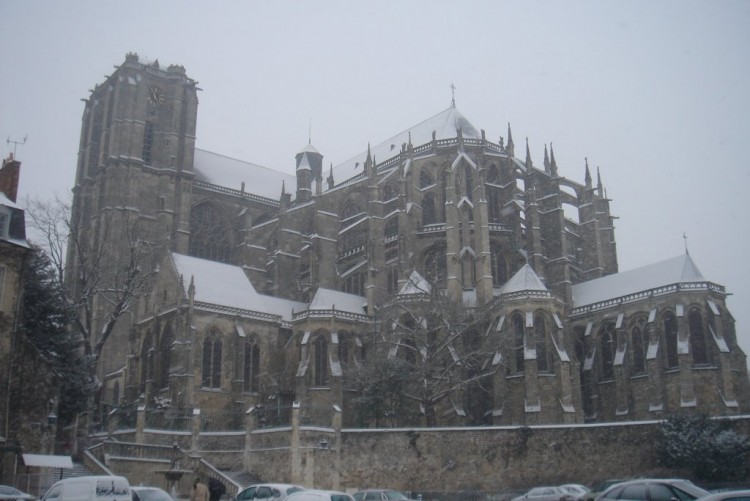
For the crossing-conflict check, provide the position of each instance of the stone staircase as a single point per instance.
(78, 470)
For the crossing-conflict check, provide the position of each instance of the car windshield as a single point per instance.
(153, 495)
(395, 496)
(292, 490)
(6, 489)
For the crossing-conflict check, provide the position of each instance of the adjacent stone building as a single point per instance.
(269, 287)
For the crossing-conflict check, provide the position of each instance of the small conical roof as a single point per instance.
(416, 284)
(525, 279)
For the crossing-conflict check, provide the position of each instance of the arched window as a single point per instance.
(262, 219)
(425, 179)
(640, 344)
(392, 279)
(211, 361)
(469, 180)
(608, 340)
(444, 179)
(165, 357)
(391, 227)
(409, 349)
(429, 214)
(116, 393)
(435, 264)
(389, 192)
(697, 337)
(493, 205)
(320, 353)
(343, 349)
(251, 367)
(670, 338)
(147, 355)
(540, 335)
(351, 209)
(355, 283)
(492, 174)
(499, 265)
(208, 234)
(518, 341)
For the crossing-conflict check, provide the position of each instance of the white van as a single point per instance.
(91, 488)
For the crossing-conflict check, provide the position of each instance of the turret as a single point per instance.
(309, 167)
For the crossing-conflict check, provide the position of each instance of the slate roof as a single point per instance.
(231, 173)
(445, 125)
(525, 279)
(680, 269)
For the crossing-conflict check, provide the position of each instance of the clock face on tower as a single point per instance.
(155, 96)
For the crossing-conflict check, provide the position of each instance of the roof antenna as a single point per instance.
(16, 143)
(453, 95)
(686, 247)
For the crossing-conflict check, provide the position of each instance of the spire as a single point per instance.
(686, 247)
(510, 146)
(588, 174)
(552, 163)
(283, 188)
(330, 177)
(528, 154)
(453, 95)
(599, 182)
(546, 159)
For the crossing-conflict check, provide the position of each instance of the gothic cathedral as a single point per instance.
(482, 288)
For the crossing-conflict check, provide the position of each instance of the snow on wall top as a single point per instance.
(671, 271)
(218, 283)
(231, 173)
(445, 124)
(525, 279)
(328, 299)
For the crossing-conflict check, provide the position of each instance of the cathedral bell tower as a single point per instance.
(135, 167)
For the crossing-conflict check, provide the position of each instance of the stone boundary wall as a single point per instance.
(492, 459)
(496, 460)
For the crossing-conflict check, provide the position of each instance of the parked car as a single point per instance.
(90, 488)
(578, 491)
(320, 495)
(738, 495)
(654, 489)
(8, 493)
(267, 491)
(143, 493)
(548, 493)
(380, 495)
(597, 489)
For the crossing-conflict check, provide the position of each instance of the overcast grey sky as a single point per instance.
(655, 93)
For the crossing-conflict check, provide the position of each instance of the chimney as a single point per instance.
(9, 174)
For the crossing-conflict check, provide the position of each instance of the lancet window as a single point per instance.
(697, 337)
(320, 367)
(212, 346)
(251, 367)
(518, 342)
(208, 234)
(670, 338)
(608, 342)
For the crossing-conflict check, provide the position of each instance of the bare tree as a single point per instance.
(103, 265)
(435, 352)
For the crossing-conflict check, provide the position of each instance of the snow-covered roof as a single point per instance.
(219, 283)
(445, 125)
(525, 279)
(231, 173)
(309, 148)
(4, 200)
(676, 270)
(328, 299)
(416, 285)
(282, 307)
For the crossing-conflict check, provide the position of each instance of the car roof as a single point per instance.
(718, 496)
(277, 486)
